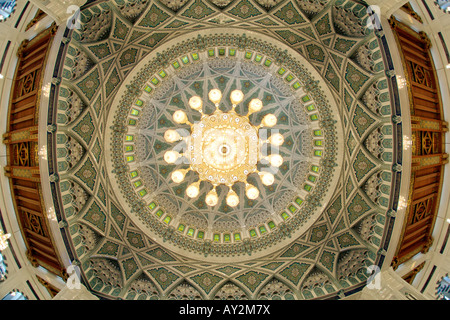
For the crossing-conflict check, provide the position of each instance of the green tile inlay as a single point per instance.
(284, 215)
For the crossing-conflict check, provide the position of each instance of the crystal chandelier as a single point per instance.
(223, 148)
(4, 240)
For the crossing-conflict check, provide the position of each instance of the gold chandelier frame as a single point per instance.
(223, 148)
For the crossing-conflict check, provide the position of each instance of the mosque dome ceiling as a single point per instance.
(316, 65)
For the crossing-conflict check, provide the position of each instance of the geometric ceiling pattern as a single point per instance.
(119, 258)
(136, 158)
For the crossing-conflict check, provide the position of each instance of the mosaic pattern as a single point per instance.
(117, 258)
(145, 146)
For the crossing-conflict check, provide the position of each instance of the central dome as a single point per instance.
(224, 147)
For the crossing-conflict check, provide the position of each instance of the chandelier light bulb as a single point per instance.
(276, 139)
(267, 178)
(178, 176)
(196, 103)
(172, 136)
(269, 120)
(236, 97)
(193, 190)
(171, 156)
(251, 191)
(275, 160)
(255, 105)
(215, 95)
(232, 198)
(180, 117)
(212, 198)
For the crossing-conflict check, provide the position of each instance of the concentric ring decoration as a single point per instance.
(253, 63)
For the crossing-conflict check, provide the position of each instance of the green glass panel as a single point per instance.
(129, 138)
(281, 71)
(216, 237)
(130, 158)
(200, 234)
(307, 187)
(312, 178)
(248, 55)
(318, 143)
(190, 232)
(311, 107)
(128, 148)
(132, 122)
(292, 208)
(152, 205)
(284, 215)
(211, 53)
(314, 117)
(167, 219)
(296, 85)
(299, 201)
(258, 58)
(176, 64)
(253, 233)
(237, 237)
(185, 59)
(226, 237)
(134, 112)
(318, 133)
(148, 89)
(318, 153)
(155, 81)
(306, 98)
(143, 192)
(271, 224)
(159, 213)
(289, 78)
(262, 229)
(137, 184)
(221, 52)
(195, 56)
(267, 63)
(163, 74)
(315, 168)
(181, 227)
(139, 102)
(232, 52)
(134, 174)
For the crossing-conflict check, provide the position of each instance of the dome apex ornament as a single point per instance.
(224, 148)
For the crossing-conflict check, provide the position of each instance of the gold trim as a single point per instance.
(409, 10)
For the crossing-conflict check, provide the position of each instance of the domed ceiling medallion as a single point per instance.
(224, 151)
(223, 148)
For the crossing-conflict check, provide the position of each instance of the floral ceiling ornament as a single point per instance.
(224, 148)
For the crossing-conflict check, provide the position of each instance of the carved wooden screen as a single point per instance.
(428, 128)
(22, 146)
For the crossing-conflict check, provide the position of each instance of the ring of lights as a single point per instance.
(145, 82)
(223, 148)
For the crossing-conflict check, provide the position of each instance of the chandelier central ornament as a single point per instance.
(223, 148)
